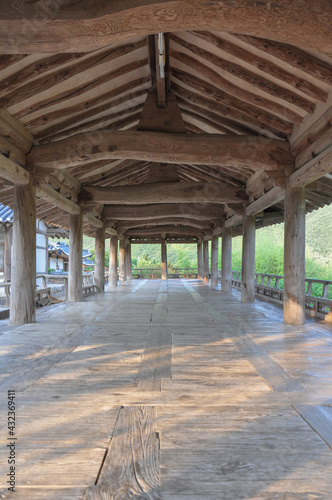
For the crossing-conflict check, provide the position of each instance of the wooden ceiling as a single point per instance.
(267, 90)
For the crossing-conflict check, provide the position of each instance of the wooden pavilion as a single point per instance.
(164, 120)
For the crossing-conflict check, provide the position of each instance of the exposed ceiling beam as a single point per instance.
(168, 230)
(258, 153)
(27, 27)
(12, 172)
(268, 199)
(154, 211)
(312, 170)
(164, 192)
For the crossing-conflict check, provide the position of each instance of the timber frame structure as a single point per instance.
(153, 120)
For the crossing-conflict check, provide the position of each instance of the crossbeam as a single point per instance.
(164, 192)
(27, 27)
(159, 211)
(254, 152)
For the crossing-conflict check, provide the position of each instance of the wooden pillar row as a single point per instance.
(199, 261)
(75, 291)
(294, 257)
(163, 260)
(205, 262)
(122, 260)
(99, 274)
(214, 261)
(248, 259)
(226, 260)
(23, 271)
(113, 262)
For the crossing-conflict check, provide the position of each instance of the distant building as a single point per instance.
(58, 255)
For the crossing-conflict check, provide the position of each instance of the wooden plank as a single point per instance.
(132, 463)
(256, 152)
(318, 420)
(156, 361)
(13, 172)
(272, 373)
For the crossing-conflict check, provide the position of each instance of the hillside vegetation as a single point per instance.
(269, 249)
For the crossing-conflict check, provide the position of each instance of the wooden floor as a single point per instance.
(168, 390)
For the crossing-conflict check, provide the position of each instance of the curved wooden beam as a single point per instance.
(27, 27)
(250, 151)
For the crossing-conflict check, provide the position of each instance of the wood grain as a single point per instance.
(131, 468)
(209, 149)
(91, 26)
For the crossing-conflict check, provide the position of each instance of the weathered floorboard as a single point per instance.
(131, 467)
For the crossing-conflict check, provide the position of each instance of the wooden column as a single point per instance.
(75, 292)
(205, 262)
(7, 259)
(23, 272)
(248, 259)
(214, 261)
(163, 260)
(113, 262)
(226, 259)
(199, 261)
(99, 274)
(128, 261)
(294, 257)
(122, 260)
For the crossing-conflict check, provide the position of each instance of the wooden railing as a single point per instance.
(318, 300)
(43, 292)
(155, 273)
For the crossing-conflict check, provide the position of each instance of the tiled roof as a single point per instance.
(6, 214)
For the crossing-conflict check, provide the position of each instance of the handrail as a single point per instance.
(270, 287)
(88, 286)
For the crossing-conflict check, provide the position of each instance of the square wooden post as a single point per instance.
(214, 261)
(205, 262)
(122, 260)
(199, 261)
(163, 260)
(248, 259)
(75, 284)
(226, 259)
(113, 262)
(23, 272)
(294, 257)
(99, 274)
(129, 271)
